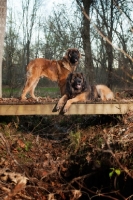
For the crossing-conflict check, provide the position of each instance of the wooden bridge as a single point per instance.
(46, 108)
(40, 108)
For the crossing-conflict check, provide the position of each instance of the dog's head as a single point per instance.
(73, 55)
(75, 84)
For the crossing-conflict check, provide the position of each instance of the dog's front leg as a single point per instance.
(61, 102)
(67, 106)
(80, 97)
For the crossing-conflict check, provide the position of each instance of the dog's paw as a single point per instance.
(23, 99)
(66, 108)
(38, 99)
(59, 107)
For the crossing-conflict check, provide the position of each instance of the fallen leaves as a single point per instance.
(45, 167)
(16, 182)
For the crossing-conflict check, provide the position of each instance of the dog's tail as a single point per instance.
(105, 93)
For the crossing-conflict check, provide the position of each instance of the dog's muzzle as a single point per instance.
(73, 57)
(73, 60)
(78, 86)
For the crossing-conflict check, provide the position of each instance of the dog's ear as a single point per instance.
(75, 49)
(84, 85)
(69, 78)
(68, 84)
(67, 52)
(84, 82)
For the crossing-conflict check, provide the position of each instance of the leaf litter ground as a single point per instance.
(66, 157)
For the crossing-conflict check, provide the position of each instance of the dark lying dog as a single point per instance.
(77, 90)
(55, 70)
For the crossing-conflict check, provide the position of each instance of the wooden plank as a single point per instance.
(75, 109)
(100, 109)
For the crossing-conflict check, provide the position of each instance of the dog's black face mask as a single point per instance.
(75, 84)
(74, 56)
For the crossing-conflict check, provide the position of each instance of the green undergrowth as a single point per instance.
(39, 91)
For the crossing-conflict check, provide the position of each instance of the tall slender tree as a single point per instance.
(108, 20)
(29, 9)
(85, 33)
(3, 9)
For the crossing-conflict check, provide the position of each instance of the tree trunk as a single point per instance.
(89, 69)
(109, 49)
(3, 8)
(28, 51)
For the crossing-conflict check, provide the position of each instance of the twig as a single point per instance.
(8, 150)
(105, 196)
(129, 198)
(5, 142)
(4, 188)
(82, 177)
(25, 197)
(116, 4)
(116, 159)
(92, 192)
(42, 188)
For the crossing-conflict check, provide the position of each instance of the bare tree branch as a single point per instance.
(101, 34)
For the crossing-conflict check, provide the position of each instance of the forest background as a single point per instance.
(35, 28)
(68, 157)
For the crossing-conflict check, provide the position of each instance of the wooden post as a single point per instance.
(3, 9)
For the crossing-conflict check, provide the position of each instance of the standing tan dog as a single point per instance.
(55, 70)
(77, 90)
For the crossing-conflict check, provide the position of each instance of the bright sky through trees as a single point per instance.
(47, 6)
